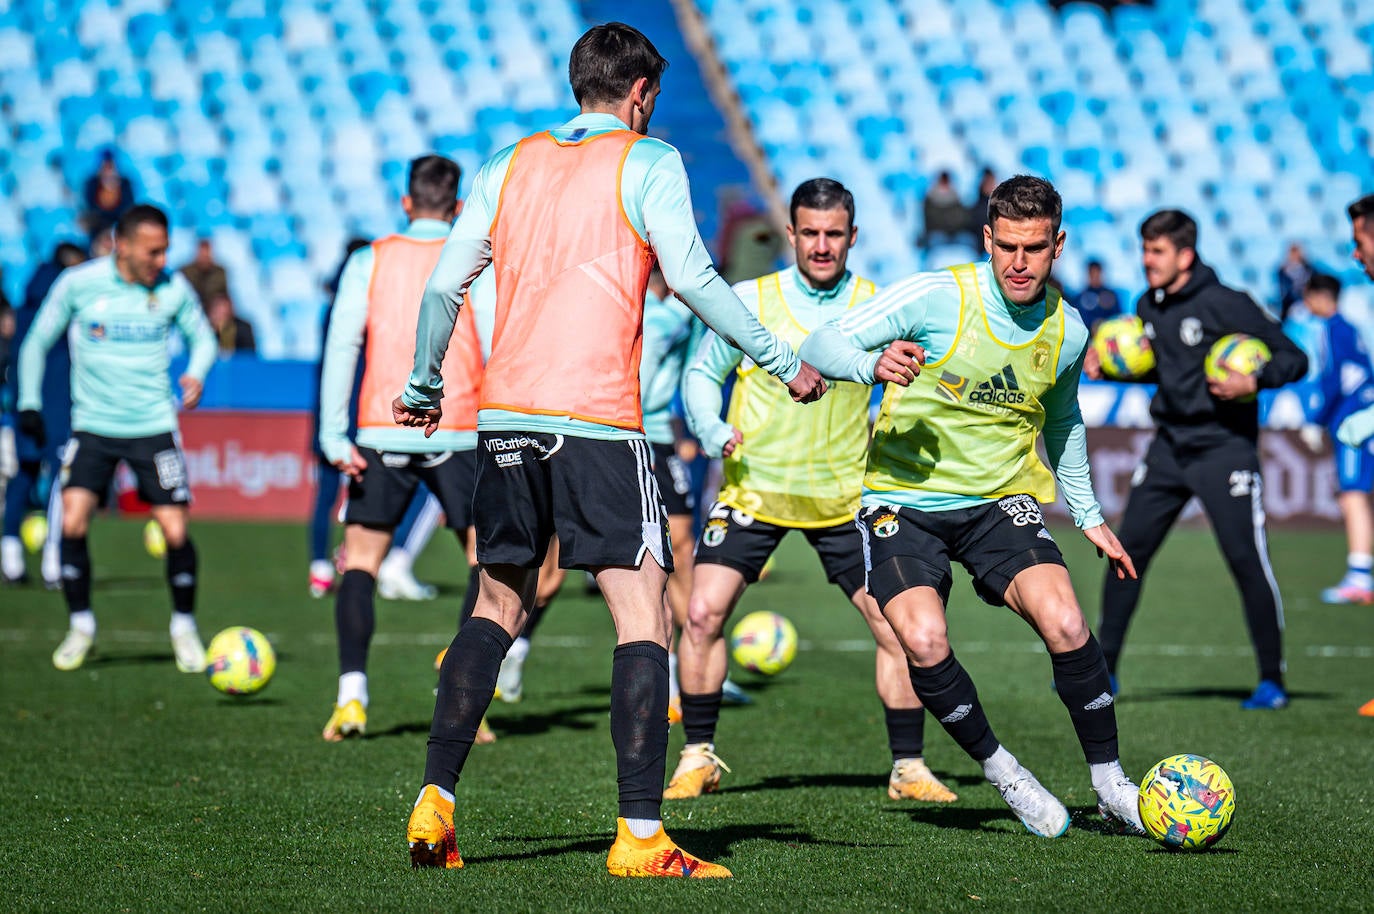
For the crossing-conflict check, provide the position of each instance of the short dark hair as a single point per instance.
(607, 61)
(1024, 197)
(821, 193)
(1323, 282)
(1174, 224)
(140, 214)
(68, 254)
(433, 185)
(1094, 264)
(1362, 208)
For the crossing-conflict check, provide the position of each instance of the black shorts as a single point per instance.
(674, 479)
(599, 497)
(380, 499)
(744, 543)
(905, 548)
(89, 462)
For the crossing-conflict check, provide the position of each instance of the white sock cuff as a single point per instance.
(82, 621)
(442, 792)
(1000, 766)
(1105, 773)
(644, 829)
(352, 687)
(182, 624)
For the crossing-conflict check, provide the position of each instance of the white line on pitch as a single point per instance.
(854, 645)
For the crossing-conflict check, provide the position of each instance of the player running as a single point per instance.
(121, 309)
(787, 467)
(978, 360)
(572, 220)
(379, 300)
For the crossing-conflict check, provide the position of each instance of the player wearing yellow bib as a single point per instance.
(979, 361)
(787, 467)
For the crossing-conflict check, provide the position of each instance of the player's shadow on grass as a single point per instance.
(580, 718)
(709, 843)
(847, 779)
(145, 659)
(1213, 692)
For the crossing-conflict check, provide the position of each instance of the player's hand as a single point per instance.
(31, 424)
(736, 439)
(1108, 545)
(1092, 365)
(900, 363)
(808, 386)
(191, 389)
(1234, 386)
(354, 466)
(416, 416)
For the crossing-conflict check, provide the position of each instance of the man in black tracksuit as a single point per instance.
(1206, 443)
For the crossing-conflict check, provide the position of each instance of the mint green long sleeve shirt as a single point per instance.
(654, 193)
(118, 334)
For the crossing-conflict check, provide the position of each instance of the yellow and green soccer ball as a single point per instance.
(764, 642)
(240, 661)
(1186, 802)
(33, 531)
(153, 540)
(1238, 352)
(1122, 348)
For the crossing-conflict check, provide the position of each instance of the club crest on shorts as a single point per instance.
(885, 526)
(714, 533)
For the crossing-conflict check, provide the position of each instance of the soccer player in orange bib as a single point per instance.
(572, 220)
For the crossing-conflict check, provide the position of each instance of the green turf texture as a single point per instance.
(130, 786)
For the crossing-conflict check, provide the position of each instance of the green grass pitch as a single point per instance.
(129, 786)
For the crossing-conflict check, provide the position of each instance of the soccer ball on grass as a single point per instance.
(764, 642)
(1186, 802)
(240, 661)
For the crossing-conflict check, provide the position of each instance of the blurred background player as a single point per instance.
(1206, 443)
(979, 359)
(378, 301)
(584, 211)
(35, 483)
(1345, 383)
(122, 310)
(787, 467)
(1358, 428)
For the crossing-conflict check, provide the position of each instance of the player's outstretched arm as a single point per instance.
(1108, 545)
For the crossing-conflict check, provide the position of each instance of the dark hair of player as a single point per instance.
(1323, 282)
(1174, 224)
(1362, 208)
(140, 214)
(821, 193)
(433, 186)
(608, 60)
(1023, 197)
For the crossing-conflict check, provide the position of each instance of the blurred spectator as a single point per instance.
(1096, 302)
(1293, 275)
(6, 334)
(102, 245)
(64, 255)
(106, 196)
(978, 212)
(946, 218)
(205, 275)
(233, 332)
(749, 242)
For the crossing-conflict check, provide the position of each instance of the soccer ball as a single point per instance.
(34, 531)
(1186, 802)
(240, 661)
(764, 642)
(153, 540)
(1236, 352)
(1122, 348)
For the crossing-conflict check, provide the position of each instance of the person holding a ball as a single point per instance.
(1206, 441)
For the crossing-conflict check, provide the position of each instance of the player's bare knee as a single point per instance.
(705, 622)
(1064, 628)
